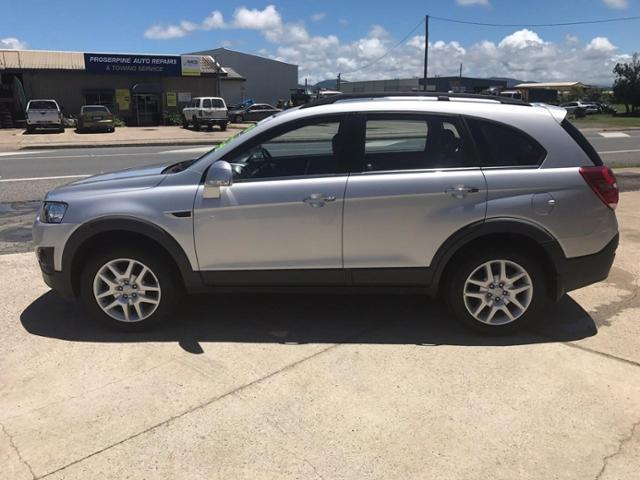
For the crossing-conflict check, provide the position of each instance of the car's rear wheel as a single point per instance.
(196, 123)
(497, 291)
(185, 122)
(223, 127)
(31, 129)
(239, 119)
(128, 289)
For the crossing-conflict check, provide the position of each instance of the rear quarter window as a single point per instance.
(500, 145)
(582, 142)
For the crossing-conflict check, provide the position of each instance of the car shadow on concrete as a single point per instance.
(302, 319)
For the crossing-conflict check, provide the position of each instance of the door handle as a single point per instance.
(317, 200)
(460, 191)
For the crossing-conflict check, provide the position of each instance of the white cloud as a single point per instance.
(466, 3)
(317, 17)
(600, 47)
(617, 4)
(161, 32)
(343, 22)
(12, 43)
(254, 19)
(522, 54)
(521, 39)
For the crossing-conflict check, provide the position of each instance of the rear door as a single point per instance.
(419, 183)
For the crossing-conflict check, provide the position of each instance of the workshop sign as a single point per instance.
(109, 63)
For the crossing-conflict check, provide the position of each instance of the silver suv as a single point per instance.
(493, 204)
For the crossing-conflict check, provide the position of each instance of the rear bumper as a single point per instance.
(578, 272)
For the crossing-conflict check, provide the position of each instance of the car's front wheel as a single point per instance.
(239, 119)
(497, 291)
(128, 289)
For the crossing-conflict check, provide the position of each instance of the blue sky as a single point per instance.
(331, 36)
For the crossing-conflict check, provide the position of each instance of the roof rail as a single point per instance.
(443, 97)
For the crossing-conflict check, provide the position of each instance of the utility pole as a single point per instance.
(338, 83)
(426, 50)
(461, 70)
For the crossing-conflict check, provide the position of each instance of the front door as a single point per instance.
(147, 107)
(418, 184)
(283, 212)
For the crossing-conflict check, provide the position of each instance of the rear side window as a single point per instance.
(584, 144)
(206, 103)
(503, 146)
(395, 142)
(217, 103)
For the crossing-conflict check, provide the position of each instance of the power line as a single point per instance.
(390, 49)
(561, 24)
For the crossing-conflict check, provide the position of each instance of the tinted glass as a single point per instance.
(582, 142)
(42, 105)
(216, 103)
(308, 150)
(503, 146)
(95, 109)
(414, 143)
(206, 103)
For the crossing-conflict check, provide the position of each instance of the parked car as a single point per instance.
(95, 117)
(44, 114)
(495, 205)
(253, 113)
(207, 111)
(588, 108)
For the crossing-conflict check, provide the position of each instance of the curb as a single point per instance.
(164, 143)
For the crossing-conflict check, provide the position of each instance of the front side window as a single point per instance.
(308, 150)
(504, 146)
(414, 143)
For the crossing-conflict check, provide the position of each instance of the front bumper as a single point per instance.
(58, 281)
(578, 272)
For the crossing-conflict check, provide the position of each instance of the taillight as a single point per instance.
(603, 182)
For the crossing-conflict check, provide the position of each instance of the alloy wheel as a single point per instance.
(127, 290)
(498, 292)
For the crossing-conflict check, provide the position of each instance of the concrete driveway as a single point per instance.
(305, 387)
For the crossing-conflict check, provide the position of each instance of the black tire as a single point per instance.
(196, 123)
(31, 129)
(223, 127)
(156, 262)
(239, 119)
(61, 129)
(466, 266)
(185, 122)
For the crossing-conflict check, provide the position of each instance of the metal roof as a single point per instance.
(552, 85)
(41, 59)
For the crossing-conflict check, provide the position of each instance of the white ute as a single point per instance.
(44, 114)
(207, 111)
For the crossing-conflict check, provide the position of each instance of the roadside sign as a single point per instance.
(123, 98)
(172, 99)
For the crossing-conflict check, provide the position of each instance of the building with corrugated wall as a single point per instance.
(267, 80)
(141, 89)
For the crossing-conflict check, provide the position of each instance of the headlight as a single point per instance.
(53, 212)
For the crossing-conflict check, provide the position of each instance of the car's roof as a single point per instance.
(103, 106)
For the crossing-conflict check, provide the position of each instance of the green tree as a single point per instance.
(626, 87)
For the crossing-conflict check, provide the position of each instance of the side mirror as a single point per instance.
(220, 174)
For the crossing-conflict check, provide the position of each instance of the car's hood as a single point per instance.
(131, 178)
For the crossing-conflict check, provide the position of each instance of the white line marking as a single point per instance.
(11, 154)
(618, 151)
(613, 134)
(189, 150)
(33, 179)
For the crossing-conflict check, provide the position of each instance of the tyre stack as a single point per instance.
(6, 120)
